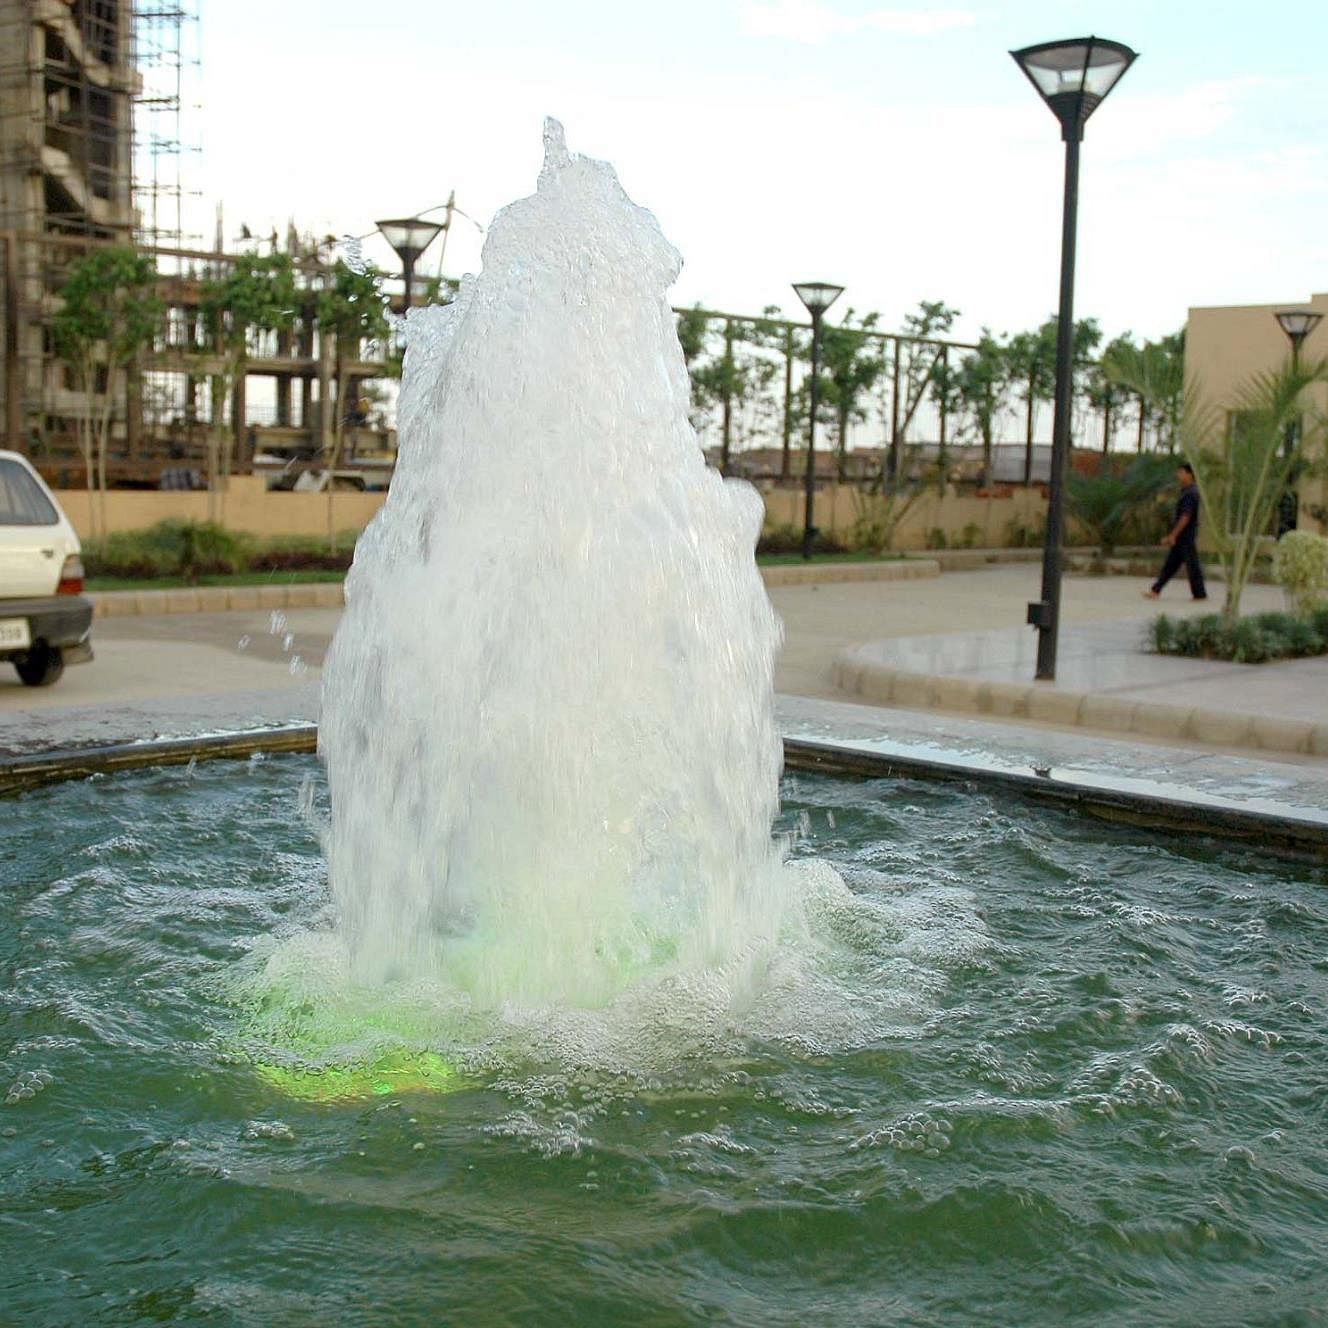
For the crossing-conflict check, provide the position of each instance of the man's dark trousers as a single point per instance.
(1183, 551)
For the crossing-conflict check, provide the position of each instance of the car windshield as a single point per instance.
(22, 502)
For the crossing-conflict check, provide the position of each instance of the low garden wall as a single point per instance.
(248, 506)
(934, 521)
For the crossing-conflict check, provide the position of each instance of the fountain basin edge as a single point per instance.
(1300, 831)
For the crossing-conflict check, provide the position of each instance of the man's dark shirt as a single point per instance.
(1187, 504)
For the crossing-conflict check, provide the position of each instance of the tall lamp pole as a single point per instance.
(410, 237)
(818, 296)
(1297, 324)
(1073, 77)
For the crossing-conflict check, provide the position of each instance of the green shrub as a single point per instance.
(936, 538)
(173, 548)
(1018, 535)
(1162, 635)
(1119, 503)
(303, 553)
(1252, 640)
(786, 539)
(1300, 567)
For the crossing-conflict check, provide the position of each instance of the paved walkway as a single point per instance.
(1106, 678)
(158, 675)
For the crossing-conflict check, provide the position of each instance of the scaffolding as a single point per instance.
(95, 98)
(166, 57)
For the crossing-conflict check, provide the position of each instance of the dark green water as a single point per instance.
(1098, 1093)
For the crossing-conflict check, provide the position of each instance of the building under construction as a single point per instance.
(93, 151)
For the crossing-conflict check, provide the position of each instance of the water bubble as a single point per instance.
(288, 640)
(353, 254)
(243, 643)
(298, 668)
(27, 1086)
(274, 1129)
(276, 622)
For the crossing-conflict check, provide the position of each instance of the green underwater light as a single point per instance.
(396, 1072)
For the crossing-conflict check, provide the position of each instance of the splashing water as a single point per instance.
(547, 711)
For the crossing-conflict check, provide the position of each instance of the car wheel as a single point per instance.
(41, 666)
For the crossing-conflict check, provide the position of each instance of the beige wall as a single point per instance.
(837, 508)
(249, 506)
(1225, 346)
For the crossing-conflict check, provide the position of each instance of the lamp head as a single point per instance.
(1297, 323)
(1074, 77)
(818, 296)
(410, 236)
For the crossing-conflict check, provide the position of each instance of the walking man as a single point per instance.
(1183, 538)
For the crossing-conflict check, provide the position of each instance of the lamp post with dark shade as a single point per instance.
(410, 237)
(818, 296)
(1297, 324)
(1073, 77)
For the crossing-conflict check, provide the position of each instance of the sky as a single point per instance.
(897, 151)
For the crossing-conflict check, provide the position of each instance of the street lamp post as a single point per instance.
(818, 296)
(1073, 77)
(1297, 324)
(410, 237)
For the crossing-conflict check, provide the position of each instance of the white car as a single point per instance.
(45, 622)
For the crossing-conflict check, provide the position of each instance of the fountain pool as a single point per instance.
(1040, 1071)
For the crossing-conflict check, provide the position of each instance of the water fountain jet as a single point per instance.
(547, 712)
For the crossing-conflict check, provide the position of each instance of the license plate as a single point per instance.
(14, 634)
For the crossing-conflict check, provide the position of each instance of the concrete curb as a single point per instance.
(968, 560)
(216, 599)
(1156, 808)
(329, 595)
(883, 685)
(802, 574)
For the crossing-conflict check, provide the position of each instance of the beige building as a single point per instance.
(1226, 346)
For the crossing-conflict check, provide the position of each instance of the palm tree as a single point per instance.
(1245, 463)
(1155, 373)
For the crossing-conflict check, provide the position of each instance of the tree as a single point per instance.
(1155, 374)
(1105, 394)
(350, 310)
(790, 345)
(738, 377)
(851, 363)
(983, 380)
(949, 401)
(255, 294)
(1244, 465)
(916, 356)
(883, 503)
(109, 313)
(1032, 360)
(693, 324)
(1032, 357)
